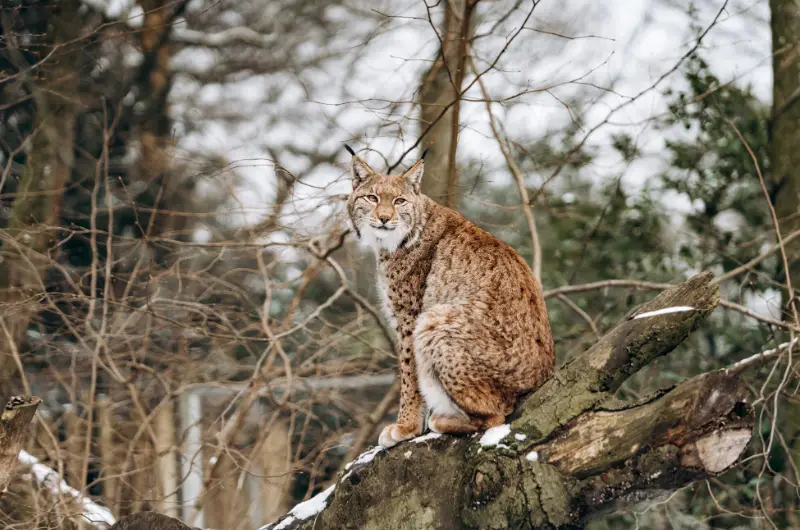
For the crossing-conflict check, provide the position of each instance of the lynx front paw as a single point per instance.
(395, 433)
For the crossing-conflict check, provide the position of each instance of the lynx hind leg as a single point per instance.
(444, 424)
(463, 424)
(457, 390)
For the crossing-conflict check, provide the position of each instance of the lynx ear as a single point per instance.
(361, 171)
(414, 175)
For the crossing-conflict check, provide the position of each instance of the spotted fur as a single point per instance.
(473, 332)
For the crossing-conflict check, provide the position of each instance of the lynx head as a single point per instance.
(387, 211)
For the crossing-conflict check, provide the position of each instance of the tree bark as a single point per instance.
(439, 96)
(36, 209)
(14, 421)
(785, 159)
(156, 79)
(167, 461)
(276, 470)
(108, 452)
(784, 133)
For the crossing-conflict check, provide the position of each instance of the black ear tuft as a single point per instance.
(350, 150)
(425, 152)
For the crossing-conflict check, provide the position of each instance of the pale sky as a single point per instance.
(632, 44)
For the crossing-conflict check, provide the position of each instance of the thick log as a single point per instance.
(14, 421)
(593, 377)
(598, 440)
(612, 458)
(570, 452)
(497, 480)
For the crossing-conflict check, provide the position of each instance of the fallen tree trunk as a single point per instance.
(14, 420)
(570, 452)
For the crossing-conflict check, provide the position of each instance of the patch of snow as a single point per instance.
(519, 436)
(314, 505)
(95, 514)
(407, 454)
(365, 457)
(493, 436)
(665, 311)
(426, 437)
(286, 522)
(533, 456)
(305, 510)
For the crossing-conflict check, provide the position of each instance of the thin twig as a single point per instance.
(580, 312)
(761, 357)
(368, 427)
(755, 261)
(594, 286)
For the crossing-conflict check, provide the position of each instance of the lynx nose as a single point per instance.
(384, 218)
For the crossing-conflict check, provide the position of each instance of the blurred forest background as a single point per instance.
(179, 287)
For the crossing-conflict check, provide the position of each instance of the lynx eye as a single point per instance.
(373, 198)
(399, 201)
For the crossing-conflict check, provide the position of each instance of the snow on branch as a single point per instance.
(665, 311)
(95, 514)
(304, 510)
(761, 357)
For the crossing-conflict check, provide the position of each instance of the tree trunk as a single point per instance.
(108, 452)
(439, 97)
(155, 125)
(784, 134)
(276, 470)
(36, 209)
(785, 160)
(167, 461)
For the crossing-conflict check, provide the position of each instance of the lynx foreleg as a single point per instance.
(409, 417)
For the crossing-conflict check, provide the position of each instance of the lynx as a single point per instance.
(472, 327)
